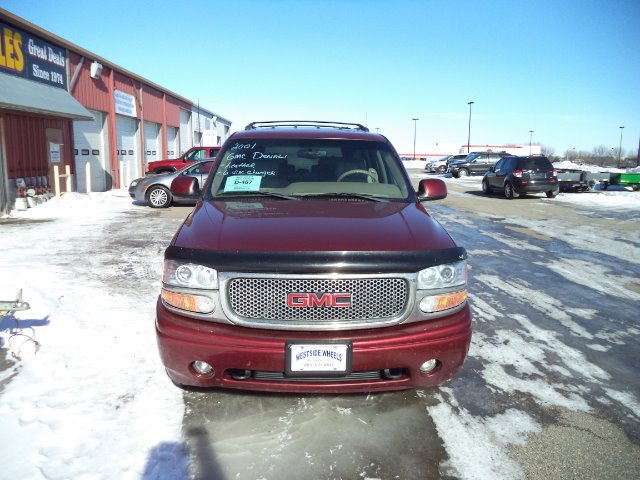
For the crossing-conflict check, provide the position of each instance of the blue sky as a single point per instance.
(568, 70)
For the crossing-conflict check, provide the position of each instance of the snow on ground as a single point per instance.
(91, 401)
(88, 399)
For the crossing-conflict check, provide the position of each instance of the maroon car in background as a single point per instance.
(309, 264)
(174, 164)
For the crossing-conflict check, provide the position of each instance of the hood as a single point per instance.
(272, 225)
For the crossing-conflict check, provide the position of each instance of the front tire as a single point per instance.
(509, 192)
(486, 189)
(159, 197)
(463, 172)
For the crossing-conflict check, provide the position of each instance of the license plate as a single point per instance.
(318, 359)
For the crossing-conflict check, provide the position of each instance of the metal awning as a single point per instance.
(33, 97)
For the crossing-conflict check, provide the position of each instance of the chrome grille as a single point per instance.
(373, 299)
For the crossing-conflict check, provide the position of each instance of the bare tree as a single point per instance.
(548, 152)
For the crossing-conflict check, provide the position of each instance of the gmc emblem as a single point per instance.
(319, 300)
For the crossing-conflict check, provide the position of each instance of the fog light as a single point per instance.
(428, 366)
(202, 368)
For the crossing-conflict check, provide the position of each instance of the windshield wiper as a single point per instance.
(362, 196)
(260, 193)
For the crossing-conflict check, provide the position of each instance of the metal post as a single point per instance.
(530, 137)
(415, 124)
(469, 136)
(620, 147)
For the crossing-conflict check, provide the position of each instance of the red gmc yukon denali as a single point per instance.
(188, 157)
(310, 264)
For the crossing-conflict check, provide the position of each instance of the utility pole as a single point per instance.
(415, 124)
(469, 135)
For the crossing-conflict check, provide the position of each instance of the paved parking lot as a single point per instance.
(549, 390)
(536, 398)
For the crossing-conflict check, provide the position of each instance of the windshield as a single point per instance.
(307, 168)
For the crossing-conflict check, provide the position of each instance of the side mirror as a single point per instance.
(185, 186)
(431, 189)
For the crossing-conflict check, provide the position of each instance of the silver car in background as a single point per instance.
(441, 165)
(155, 190)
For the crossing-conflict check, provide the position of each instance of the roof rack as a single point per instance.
(306, 123)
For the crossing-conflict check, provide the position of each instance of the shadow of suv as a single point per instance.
(516, 176)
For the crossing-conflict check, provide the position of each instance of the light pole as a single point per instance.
(415, 125)
(469, 136)
(530, 137)
(620, 147)
(377, 129)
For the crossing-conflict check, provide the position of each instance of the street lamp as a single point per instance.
(377, 129)
(415, 125)
(469, 136)
(530, 137)
(620, 147)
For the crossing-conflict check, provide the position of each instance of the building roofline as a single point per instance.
(46, 35)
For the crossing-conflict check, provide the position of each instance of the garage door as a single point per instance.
(185, 144)
(128, 155)
(89, 148)
(172, 143)
(151, 142)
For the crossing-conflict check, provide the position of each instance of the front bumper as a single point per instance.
(260, 354)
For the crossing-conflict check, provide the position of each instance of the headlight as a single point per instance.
(189, 275)
(449, 285)
(443, 276)
(134, 183)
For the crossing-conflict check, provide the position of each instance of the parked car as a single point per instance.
(476, 163)
(440, 166)
(155, 190)
(515, 176)
(309, 264)
(174, 164)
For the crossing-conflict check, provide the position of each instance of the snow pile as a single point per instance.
(87, 396)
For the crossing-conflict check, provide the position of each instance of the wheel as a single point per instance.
(509, 192)
(159, 197)
(551, 194)
(486, 188)
(356, 171)
(463, 172)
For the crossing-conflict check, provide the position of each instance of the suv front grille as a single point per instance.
(373, 300)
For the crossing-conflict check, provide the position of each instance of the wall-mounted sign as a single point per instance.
(125, 104)
(31, 57)
(54, 152)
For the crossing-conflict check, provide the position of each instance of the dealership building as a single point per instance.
(73, 121)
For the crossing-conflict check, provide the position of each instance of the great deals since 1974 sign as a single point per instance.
(30, 57)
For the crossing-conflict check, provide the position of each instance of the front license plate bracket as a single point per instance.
(318, 359)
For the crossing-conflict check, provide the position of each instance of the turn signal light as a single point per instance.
(188, 301)
(445, 301)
